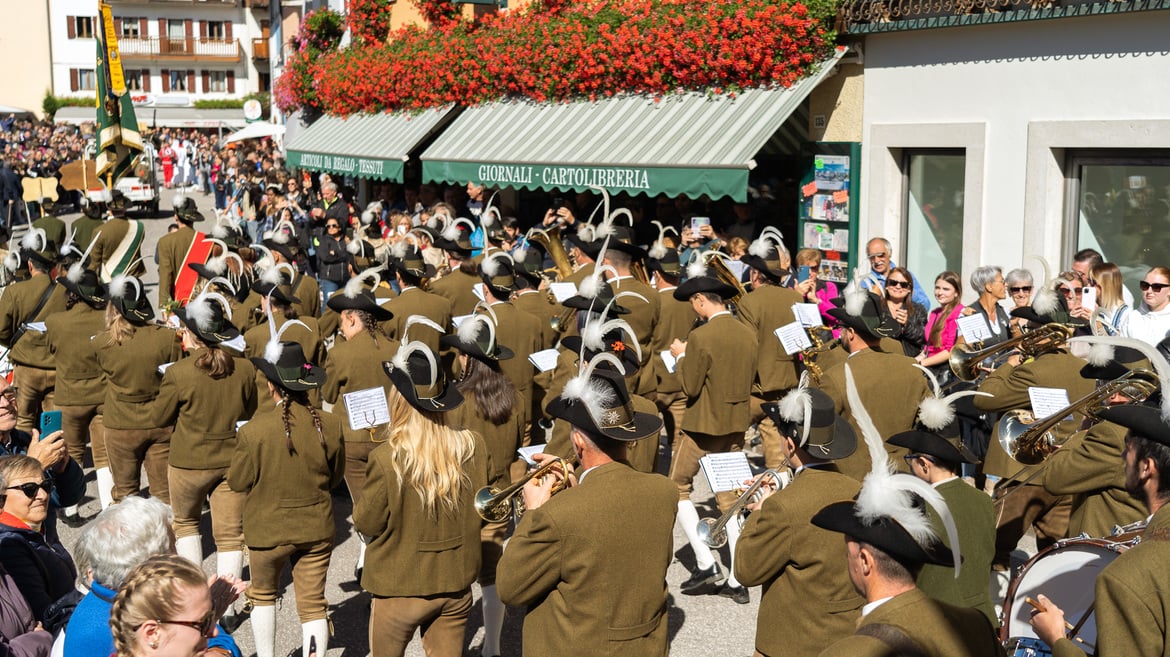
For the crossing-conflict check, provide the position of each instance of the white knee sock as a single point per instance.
(361, 560)
(688, 520)
(493, 621)
(733, 529)
(229, 563)
(318, 629)
(70, 510)
(191, 549)
(264, 630)
(105, 486)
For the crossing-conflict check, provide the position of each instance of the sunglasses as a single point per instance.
(30, 488)
(905, 285)
(1018, 290)
(877, 256)
(332, 226)
(1070, 292)
(205, 627)
(1157, 287)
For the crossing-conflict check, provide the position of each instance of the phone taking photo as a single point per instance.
(1089, 298)
(802, 273)
(50, 423)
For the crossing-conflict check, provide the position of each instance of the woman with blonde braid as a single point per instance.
(287, 460)
(164, 609)
(203, 397)
(417, 513)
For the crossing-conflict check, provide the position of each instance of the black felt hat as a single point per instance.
(207, 318)
(282, 248)
(410, 263)
(868, 321)
(498, 273)
(291, 371)
(455, 239)
(598, 303)
(668, 264)
(1124, 360)
(885, 534)
(932, 444)
(529, 265)
(697, 284)
(768, 265)
(267, 285)
(186, 210)
(476, 337)
(363, 300)
(829, 435)
(621, 238)
(1142, 420)
(615, 342)
(86, 285)
(416, 374)
(590, 248)
(129, 298)
(600, 405)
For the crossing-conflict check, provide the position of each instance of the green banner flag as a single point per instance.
(118, 139)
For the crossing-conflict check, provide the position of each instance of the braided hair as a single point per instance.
(150, 592)
(287, 398)
(369, 323)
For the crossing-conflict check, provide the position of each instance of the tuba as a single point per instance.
(723, 272)
(1030, 441)
(550, 239)
(967, 363)
(495, 505)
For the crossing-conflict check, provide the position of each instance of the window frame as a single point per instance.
(78, 22)
(222, 36)
(906, 156)
(212, 87)
(181, 85)
(131, 28)
(82, 74)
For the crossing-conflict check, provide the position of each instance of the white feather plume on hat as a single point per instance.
(935, 411)
(697, 266)
(120, 283)
(597, 397)
(886, 494)
(178, 200)
(855, 295)
(769, 237)
(34, 240)
(1045, 301)
(796, 406)
(591, 286)
(414, 320)
(594, 332)
(265, 261)
(274, 350)
(451, 230)
(493, 265)
(468, 332)
(658, 249)
(490, 216)
(401, 359)
(200, 311)
(217, 264)
(1152, 354)
(13, 261)
(274, 275)
(354, 286)
(69, 247)
(77, 269)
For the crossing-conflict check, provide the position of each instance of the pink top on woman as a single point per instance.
(949, 333)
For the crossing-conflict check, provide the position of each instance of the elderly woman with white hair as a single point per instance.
(109, 547)
(990, 283)
(1019, 285)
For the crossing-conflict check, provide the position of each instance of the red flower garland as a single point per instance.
(579, 50)
(369, 20)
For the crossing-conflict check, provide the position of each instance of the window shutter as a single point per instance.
(166, 80)
(146, 80)
(73, 79)
(118, 27)
(191, 81)
(142, 28)
(206, 81)
(72, 25)
(188, 28)
(202, 29)
(227, 30)
(231, 82)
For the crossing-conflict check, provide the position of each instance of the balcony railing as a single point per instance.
(193, 48)
(259, 48)
(868, 16)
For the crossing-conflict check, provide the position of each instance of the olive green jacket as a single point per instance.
(80, 381)
(766, 309)
(456, 287)
(975, 521)
(413, 301)
(131, 370)
(353, 365)
(502, 440)
(330, 319)
(716, 373)
(107, 238)
(172, 249)
(520, 332)
(674, 323)
(16, 309)
(1090, 467)
(204, 411)
(643, 318)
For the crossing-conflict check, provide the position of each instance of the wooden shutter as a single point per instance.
(227, 30)
(118, 27)
(142, 28)
(73, 82)
(206, 81)
(231, 82)
(162, 29)
(188, 27)
(202, 29)
(72, 25)
(166, 80)
(146, 80)
(190, 81)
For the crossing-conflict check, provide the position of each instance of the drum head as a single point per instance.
(1066, 573)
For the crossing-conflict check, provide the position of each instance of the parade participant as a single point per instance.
(530, 298)
(90, 221)
(457, 286)
(277, 303)
(288, 513)
(619, 256)
(373, 279)
(716, 365)
(117, 245)
(178, 249)
(877, 373)
(204, 397)
(569, 584)
(583, 251)
(1090, 467)
(281, 244)
(414, 298)
(674, 323)
(889, 537)
(523, 332)
(1130, 593)
(417, 512)
(490, 409)
(80, 384)
(800, 565)
(24, 303)
(766, 308)
(130, 351)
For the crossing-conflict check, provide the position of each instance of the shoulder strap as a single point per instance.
(23, 328)
(896, 639)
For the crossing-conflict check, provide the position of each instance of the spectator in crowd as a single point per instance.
(881, 261)
(1019, 287)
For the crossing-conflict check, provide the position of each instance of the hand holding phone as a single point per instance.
(50, 422)
(802, 273)
(1089, 298)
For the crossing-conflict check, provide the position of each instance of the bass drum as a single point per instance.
(1066, 574)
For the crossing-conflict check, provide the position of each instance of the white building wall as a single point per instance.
(70, 53)
(1015, 96)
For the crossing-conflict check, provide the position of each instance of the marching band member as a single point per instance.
(522, 332)
(674, 323)
(457, 286)
(619, 257)
(174, 250)
(414, 298)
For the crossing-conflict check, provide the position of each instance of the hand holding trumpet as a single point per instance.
(539, 490)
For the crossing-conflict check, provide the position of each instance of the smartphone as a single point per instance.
(802, 273)
(698, 222)
(401, 229)
(558, 202)
(1089, 298)
(50, 422)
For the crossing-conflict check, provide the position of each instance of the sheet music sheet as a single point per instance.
(726, 471)
(544, 360)
(366, 408)
(793, 337)
(809, 314)
(974, 328)
(1046, 401)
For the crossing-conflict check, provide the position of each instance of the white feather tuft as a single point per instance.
(401, 358)
(1152, 354)
(796, 406)
(367, 218)
(855, 295)
(419, 319)
(520, 255)
(586, 233)
(1046, 301)
(697, 267)
(935, 413)
(354, 247)
(451, 230)
(12, 261)
(220, 231)
(273, 351)
(492, 266)
(1100, 355)
(178, 200)
(354, 286)
(760, 247)
(34, 240)
(590, 287)
(272, 276)
(657, 250)
(596, 396)
(76, 271)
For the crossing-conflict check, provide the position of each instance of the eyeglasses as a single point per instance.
(1157, 287)
(910, 458)
(30, 488)
(332, 226)
(905, 285)
(1022, 288)
(205, 627)
(877, 256)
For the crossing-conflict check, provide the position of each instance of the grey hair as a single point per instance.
(331, 186)
(1018, 276)
(121, 537)
(885, 242)
(982, 276)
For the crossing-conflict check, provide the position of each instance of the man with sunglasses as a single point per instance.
(881, 261)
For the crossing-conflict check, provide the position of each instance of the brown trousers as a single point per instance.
(672, 405)
(82, 425)
(769, 434)
(686, 462)
(441, 619)
(310, 565)
(188, 490)
(129, 451)
(34, 394)
(357, 456)
(1031, 506)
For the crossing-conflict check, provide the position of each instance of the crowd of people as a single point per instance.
(403, 352)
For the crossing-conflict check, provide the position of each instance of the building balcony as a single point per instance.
(191, 49)
(257, 4)
(259, 48)
(218, 3)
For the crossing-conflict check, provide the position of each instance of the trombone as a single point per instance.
(967, 362)
(713, 532)
(495, 505)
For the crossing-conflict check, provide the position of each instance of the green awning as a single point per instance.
(364, 145)
(688, 144)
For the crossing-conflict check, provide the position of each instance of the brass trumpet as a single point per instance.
(713, 531)
(1030, 441)
(495, 505)
(967, 363)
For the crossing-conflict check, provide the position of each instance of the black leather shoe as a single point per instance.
(700, 579)
(357, 574)
(75, 521)
(737, 593)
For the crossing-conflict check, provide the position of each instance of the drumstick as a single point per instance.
(1041, 608)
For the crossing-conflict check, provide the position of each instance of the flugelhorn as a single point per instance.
(967, 363)
(495, 505)
(1030, 441)
(713, 532)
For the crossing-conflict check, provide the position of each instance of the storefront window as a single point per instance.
(933, 214)
(1122, 208)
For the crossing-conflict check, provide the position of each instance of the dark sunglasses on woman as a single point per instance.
(30, 488)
